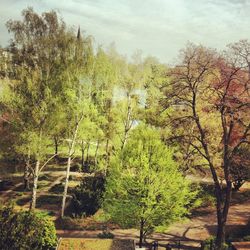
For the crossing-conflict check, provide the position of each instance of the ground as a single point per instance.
(200, 225)
(94, 244)
(190, 232)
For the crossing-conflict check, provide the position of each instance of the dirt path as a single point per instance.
(192, 232)
(8, 193)
(58, 176)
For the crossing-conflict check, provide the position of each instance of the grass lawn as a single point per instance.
(94, 244)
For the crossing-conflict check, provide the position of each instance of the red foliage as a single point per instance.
(233, 98)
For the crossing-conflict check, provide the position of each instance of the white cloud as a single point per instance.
(158, 27)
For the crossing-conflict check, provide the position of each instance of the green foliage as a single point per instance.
(88, 196)
(206, 195)
(246, 238)
(209, 244)
(26, 230)
(144, 184)
(77, 167)
(240, 166)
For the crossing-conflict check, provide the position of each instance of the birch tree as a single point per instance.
(40, 46)
(77, 102)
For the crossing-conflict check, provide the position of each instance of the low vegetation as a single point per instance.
(25, 230)
(93, 244)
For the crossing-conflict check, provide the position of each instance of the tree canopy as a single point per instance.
(144, 187)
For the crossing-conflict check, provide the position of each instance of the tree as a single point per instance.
(211, 87)
(106, 75)
(49, 59)
(77, 102)
(40, 47)
(132, 86)
(155, 112)
(90, 133)
(26, 230)
(144, 187)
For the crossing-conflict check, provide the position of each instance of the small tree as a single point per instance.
(144, 187)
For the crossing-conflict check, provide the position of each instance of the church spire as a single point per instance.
(78, 33)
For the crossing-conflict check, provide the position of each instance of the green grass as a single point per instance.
(42, 185)
(94, 244)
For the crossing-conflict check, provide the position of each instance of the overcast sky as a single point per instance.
(157, 27)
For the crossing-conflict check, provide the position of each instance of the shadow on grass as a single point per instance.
(233, 232)
(239, 197)
(57, 188)
(46, 177)
(23, 201)
(44, 200)
(20, 189)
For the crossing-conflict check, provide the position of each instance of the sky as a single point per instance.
(157, 27)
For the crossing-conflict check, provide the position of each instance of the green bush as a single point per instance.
(26, 230)
(206, 195)
(246, 238)
(209, 244)
(87, 197)
(76, 168)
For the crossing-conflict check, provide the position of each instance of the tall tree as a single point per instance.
(106, 75)
(211, 91)
(41, 49)
(76, 99)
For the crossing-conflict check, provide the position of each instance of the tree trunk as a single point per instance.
(141, 233)
(71, 151)
(87, 155)
(36, 174)
(220, 235)
(66, 185)
(222, 215)
(26, 173)
(107, 157)
(34, 190)
(83, 150)
(56, 144)
(96, 152)
(128, 121)
(221, 209)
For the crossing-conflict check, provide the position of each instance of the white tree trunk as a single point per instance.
(71, 151)
(96, 151)
(34, 190)
(66, 185)
(128, 122)
(26, 172)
